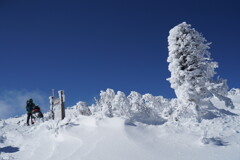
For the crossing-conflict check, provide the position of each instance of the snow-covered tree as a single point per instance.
(136, 102)
(166, 108)
(192, 71)
(121, 105)
(151, 106)
(105, 102)
(146, 108)
(83, 108)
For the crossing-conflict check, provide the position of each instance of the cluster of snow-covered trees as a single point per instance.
(192, 78)
(147, 108)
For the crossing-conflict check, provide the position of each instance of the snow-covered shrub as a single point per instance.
(121, 105)
(151, 109)
(111, 104)
(83, 108)
(163, 107)
(155, 105)
(192, 71)
(168, 108)
(141, 106)
(104, 104)
(136, 103)
(234, 92)
(144, 108)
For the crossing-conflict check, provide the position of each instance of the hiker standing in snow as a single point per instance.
(29, 107)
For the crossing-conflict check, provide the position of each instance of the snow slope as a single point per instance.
(93, 137)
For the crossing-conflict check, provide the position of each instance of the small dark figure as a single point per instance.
(29, 107)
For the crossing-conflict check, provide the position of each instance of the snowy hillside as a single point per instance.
(124, 135)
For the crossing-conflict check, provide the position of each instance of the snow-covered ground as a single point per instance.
(94, 137)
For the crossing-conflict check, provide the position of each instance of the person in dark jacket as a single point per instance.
(29, 107)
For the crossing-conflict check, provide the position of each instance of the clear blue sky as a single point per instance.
(84, 46)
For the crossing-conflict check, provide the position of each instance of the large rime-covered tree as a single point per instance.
(192, 71)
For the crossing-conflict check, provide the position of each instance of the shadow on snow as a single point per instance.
(9, 149)
(215, 141)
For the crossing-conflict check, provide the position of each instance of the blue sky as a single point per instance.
(86, 46)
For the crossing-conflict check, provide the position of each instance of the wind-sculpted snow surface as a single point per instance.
(91, 138)
(124, 134)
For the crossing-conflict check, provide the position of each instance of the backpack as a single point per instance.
(36, 109)
(37, 112)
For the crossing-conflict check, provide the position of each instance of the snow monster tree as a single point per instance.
(192, 71)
